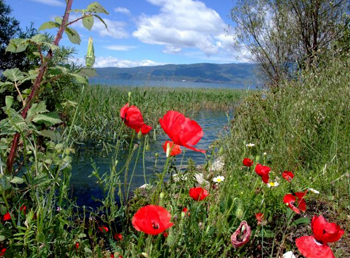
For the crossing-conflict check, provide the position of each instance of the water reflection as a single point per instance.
(85, 188)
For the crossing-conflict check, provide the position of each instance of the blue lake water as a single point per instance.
(85, 188)
(170, 84)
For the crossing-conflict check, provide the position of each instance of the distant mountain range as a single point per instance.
(218, 73)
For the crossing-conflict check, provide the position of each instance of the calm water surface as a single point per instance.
(85, 188)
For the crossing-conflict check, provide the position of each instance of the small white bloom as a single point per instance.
(219, 179)
(289, 255)
(59, 208)
(218, 165)
(250, 145)
(265, 153)
(272, 184)
(314, 191)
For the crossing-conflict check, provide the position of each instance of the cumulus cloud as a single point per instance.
(116, 29)
(182, 24)
(122, 10)
(110, 61)
(50, 2)
(119, 47)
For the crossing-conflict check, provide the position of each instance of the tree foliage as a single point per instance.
(9, 28)
(284, 34)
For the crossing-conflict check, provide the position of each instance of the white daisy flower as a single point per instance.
(314, 191)
(250, 145)
(218, 179)
(272, 184)
(289, 255)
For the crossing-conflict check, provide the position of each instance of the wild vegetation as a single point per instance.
(282, 165)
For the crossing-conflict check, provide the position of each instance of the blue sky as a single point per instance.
(146, 32)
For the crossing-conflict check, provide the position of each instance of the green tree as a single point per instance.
(9, 28)
(284, 34)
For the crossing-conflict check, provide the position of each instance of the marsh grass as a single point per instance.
(98, 113)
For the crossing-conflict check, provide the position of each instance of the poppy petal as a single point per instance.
(310, 248)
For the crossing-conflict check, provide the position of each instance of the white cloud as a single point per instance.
(122, 10)
(119, 47)
(116, 29)
(50, 2)
(182, 24)
(110, 61)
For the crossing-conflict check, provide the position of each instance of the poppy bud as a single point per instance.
(90, 55)
(147, 147)
(161, 196)
(139, 135)
(221, 151)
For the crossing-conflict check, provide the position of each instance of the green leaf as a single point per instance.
(53, 135)
(266, 233)
(58, 20)
(17, 180)
(4, 184)
(38, 39)
(36, 109)
(8, 101)
(88, 22)
(301, 221)
(51, 46)
(49, 118)
(49, 25)
(73, 36)
(88, 72)
(2, 238)
(79, 78)
(87, 250)
(17, 45)
(14, 74)
(99, 17)
(79, 10)
(95, 7)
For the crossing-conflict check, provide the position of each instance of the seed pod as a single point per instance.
(90, 55)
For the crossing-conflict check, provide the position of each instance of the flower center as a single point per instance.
(155, 225)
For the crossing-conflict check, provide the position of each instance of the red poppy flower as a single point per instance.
(259, 217)
(175, 149)
(290, 199)
(247, 162)
(23, 208)
(198, 193)
(132, 118)
(2, 252)
(7, 216)
(241, 235)
(118, 236)
(181, 130)
(324, 231)
(263, 171)
(288, 175)
(77, 245)
(103, 229)
(152, 220)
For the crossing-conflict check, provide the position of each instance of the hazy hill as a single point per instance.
(227, 73)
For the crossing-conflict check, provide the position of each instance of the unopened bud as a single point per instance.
(161, 196)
